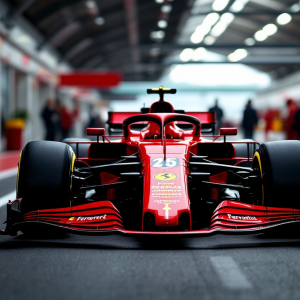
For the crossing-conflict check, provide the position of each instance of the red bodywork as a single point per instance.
(164, 158)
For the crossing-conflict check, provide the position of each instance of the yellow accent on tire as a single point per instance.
(19, 165)
(261, 175)
(72, 167)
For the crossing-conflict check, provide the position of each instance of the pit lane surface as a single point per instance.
(115, 267)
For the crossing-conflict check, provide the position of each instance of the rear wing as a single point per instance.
(207, 119)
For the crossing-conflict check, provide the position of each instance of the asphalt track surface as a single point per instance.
(115, 267)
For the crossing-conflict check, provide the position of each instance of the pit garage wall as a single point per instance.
(25, 84)
(276, 95)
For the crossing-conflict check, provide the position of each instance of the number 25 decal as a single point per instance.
(168, 163)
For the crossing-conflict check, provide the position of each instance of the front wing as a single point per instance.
(102, 217)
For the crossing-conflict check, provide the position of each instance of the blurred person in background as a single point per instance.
(291, 120)
(50, 116)
(76, 120)
(2, 138)
(269, 116)
(66, 121)
(249, 120)
(95, 120)
(296, 125)
(219, 114)
(3, 119)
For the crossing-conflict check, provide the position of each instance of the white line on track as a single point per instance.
(4, 199)
(230, 273)
(8, 173)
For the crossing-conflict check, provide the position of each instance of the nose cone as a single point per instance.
(165, 187)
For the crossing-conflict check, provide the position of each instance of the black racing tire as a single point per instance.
(45, 175)
(279, 166)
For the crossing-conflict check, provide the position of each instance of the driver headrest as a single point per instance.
(161, 107)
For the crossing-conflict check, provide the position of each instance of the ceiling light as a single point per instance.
(203, 29)
(295, 7)
(219, 4)
(209, 40)
(218, 29)
(221, 26)
(198, 54)
(157, 34)
(270, 29)
(260, 36)
(211, 19)
(250, 42)
(227, 18)
(90, 4)
(99, 21)
(197, 38)
(241, 52)
(166, 8)
(162, 24)
(186, 54)
(238, 5)
(237, 55)
(159, 1)
(284, 19)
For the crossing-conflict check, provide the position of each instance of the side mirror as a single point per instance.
(96, 132)
(228, 131)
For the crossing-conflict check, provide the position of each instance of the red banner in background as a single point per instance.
(90, 80)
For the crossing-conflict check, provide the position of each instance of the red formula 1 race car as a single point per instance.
(163, 176)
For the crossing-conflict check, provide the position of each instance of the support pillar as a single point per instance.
(30, 106)
(12, 91)
(1, 83)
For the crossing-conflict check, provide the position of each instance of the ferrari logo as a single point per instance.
(72, 218)
(165, 176)
(166, 209)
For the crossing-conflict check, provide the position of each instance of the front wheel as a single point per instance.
(279, 166)
(45, 175)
